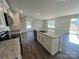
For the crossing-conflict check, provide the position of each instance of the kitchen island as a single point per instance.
(49, 40)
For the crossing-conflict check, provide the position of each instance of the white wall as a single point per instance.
(63, 24)
(37, 24)
(45, 25)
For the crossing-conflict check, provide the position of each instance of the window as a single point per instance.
(74, 28)
(74, 25)
(75, 21)
(28, 24)
(51, 24)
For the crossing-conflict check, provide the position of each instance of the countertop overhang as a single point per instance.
(50, 34)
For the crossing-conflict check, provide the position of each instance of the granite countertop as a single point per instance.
(10, 49)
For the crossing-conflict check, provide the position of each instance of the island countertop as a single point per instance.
(50, 34)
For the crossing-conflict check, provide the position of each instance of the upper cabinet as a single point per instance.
(5, 9)
(5, 6)
(7, 17)
(2, 19)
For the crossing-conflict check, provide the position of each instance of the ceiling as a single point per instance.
(46, 9)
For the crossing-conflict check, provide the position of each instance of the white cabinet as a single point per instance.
(5, 6)
(55, 45)
(40, 38)
(50, 44)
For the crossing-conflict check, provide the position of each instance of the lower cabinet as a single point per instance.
(50, 44)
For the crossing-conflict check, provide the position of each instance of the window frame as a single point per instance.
(52, 25)
(28, 26)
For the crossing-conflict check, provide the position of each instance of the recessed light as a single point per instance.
(38, 14)
(0, 9)
(21, 11)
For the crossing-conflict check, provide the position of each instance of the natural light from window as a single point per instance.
(73, 39)
(28, 24)
(74, 29)
(51, 24)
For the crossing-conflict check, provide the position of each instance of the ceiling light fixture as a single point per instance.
(38, 14)
(0, 9)
(21, 11)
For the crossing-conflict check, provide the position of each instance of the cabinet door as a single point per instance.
(47, 43)
(55, 45)
(40, 38)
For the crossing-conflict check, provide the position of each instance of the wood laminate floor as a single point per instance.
(33, 50)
